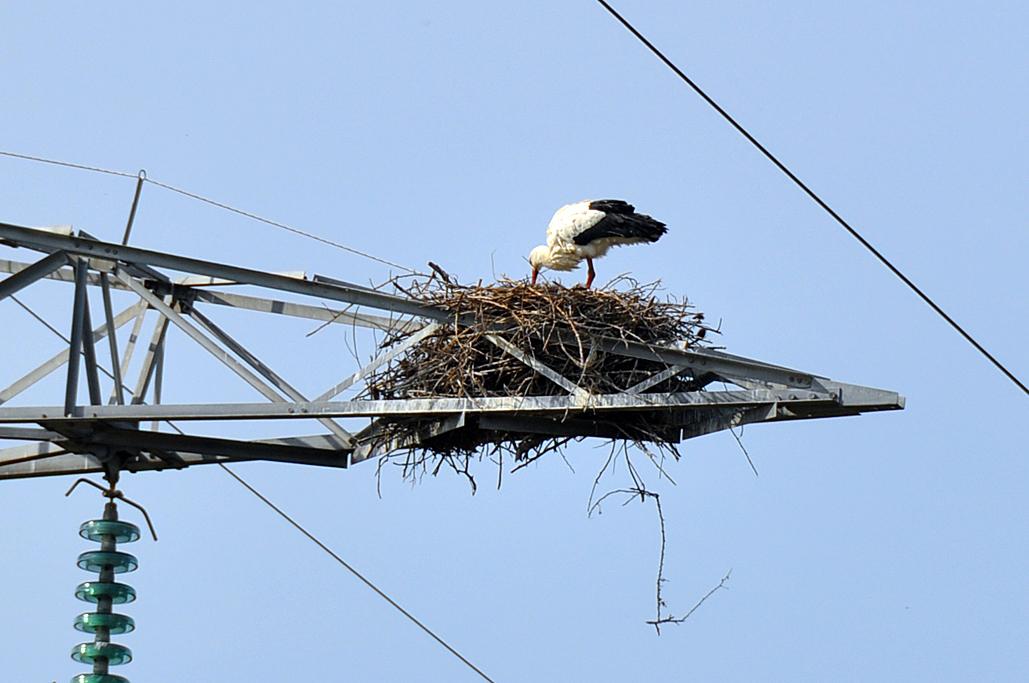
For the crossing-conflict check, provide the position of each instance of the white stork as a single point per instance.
(586, 230)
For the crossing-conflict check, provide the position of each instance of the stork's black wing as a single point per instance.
(612, 206)
(621, 221)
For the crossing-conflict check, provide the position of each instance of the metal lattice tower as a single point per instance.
(106, 435)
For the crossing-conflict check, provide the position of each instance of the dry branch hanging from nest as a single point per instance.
(486, 352)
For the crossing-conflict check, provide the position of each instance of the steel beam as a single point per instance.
(554, 376)
(196, 335)
(707, 361)
(242, 301)
(352, 294)
(169, 314)
(44, 370)
(76, 463)
(135, 440)
(699, 424)
(346, 438)
(38, 270)
(264, 305)
(130, 347)
(59, 461)
(146, 370)
(599, 403)
(27, 434)
(377, 362)
(442, 426)
(23, 461)
(656, 379)
(29, 452)
(550, 426)
(78, 316)
(112, 339)
(159, 375)
(89, 350)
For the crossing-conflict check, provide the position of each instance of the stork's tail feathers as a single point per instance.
(646, 227)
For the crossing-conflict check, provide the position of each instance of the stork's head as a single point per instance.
(539, 258)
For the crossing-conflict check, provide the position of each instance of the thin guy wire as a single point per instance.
(818, 200)
(302, 530)
(276, 224)
(57, 332)
(220, 205)
(40, 319)
(353, 571)
(67, 164)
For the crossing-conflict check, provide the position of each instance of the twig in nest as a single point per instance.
(442, 273)
(739, 440)
(656, 623)
(661, 618)
(639, 492)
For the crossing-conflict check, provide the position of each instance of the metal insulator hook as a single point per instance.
(111, 493)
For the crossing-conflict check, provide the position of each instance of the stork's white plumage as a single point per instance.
(586, 230)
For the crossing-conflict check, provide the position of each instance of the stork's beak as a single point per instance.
(535, 274)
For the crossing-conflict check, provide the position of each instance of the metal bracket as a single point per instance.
(111, 494)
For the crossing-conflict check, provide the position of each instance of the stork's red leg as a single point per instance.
(591, 274)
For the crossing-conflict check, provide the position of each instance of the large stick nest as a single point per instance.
(552, 324)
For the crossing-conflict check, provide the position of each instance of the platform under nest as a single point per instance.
(497, 334)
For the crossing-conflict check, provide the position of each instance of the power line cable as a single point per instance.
(212, 202)
(356, 573)
(818, 200)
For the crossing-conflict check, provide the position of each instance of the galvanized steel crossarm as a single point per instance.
(848, 399)
(203, 445)
(58, 461)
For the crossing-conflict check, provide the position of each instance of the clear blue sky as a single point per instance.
(884, 547)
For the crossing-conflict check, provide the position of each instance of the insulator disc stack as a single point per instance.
(104, 593)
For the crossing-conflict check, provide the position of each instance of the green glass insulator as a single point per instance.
(95, 560)
(92, 591)
(96, 529)
(99, 678)
(87, 653)
(88, 622)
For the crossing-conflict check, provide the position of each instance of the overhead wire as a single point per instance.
(356, 573)
(215, 203)
(811, 193)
